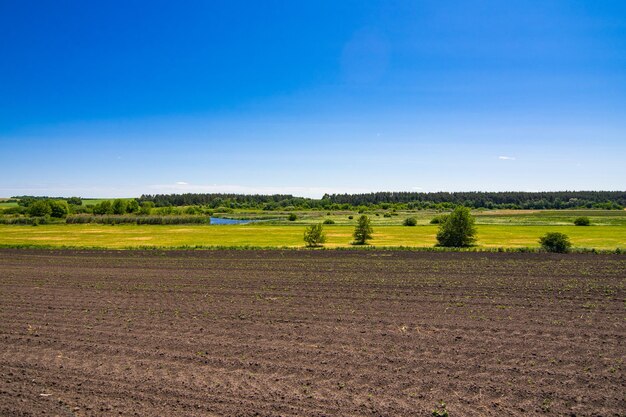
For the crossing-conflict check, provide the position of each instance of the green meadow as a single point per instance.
(606, 237)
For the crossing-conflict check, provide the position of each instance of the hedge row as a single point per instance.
(112, 219)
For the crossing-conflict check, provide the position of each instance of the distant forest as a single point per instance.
(402, 200)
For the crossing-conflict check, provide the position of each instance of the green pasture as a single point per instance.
(483, 217)
(264, 235)
(94, 201)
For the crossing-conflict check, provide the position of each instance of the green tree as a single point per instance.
(132, 206)
(363, 231)
(119, 206)
(314, 235)
(146, 208)
(40, 208)
(103, 208)
(59, 208)
(582, 221)
(410, 221)
(457, 229)
(555, 242)
(75, 201)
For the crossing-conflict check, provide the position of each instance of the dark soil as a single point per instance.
(311, 333)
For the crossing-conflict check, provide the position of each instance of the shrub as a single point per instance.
(126, 219)
(438, 219)
(350, 217)
(75, 201)
(387, 215)
(555, 242)
(40, 208)
(582, 221)
(292, 217)
(132, 206)
(15, 210)
(457, 230)
(59, 208)
(119, 206)
(410, 221)
(314, 235)
(146, 208)
(103, 208)
(329, 221)
(363, 231)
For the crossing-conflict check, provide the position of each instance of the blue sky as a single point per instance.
(121, 98)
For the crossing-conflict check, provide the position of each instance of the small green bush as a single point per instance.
(350, 217)
(387, 215)
(314, 235)
(438, 219)
(292, 217)
(329, 221)
(410, 221)
(582, 221)
(555, 242)
(40, 208)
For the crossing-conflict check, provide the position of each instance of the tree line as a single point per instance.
(490, 200)
(401, 200)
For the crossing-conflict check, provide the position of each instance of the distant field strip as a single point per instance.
(91, 235)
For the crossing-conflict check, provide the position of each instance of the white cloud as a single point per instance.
(182, 183)
(507, 158)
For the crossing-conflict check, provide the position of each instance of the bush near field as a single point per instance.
(84, 219)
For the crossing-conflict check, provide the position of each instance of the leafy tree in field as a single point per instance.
(439, 219)
(146, 208)
(132, 206)
(40, 208)
(292, 217)
(410, 221)
(59, 208)
(119, 206)
(457, 229)
(555, 242)
(582, 221)
(75, 201)
(363, 231)
(314, 235)
(103, 208)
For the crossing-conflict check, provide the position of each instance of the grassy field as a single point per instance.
(504, 217)
(124, 236)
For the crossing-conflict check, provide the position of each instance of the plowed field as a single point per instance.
(311, 333)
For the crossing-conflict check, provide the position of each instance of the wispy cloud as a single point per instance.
(507, 158)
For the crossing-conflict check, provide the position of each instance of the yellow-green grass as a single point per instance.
(423, 217)
(94, 201)
(125, 236)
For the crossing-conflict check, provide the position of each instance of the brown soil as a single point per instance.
(311, 333)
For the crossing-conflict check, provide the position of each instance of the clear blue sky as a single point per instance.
(120, 98)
